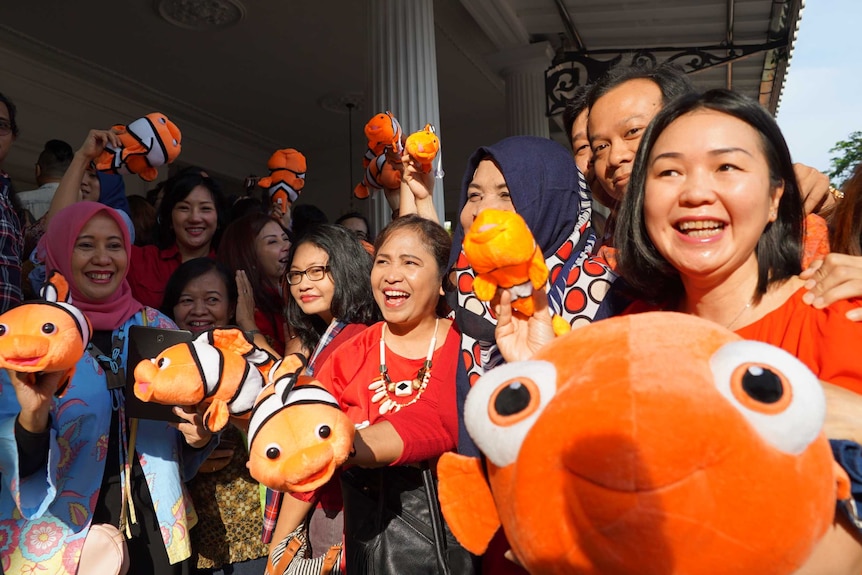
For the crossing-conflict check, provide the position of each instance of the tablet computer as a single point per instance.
(147, 343)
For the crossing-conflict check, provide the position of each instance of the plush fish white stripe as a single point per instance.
(210, 362)
(146, 133)
(265, 409)
(310, 394)
(78, 315)
(244, 401)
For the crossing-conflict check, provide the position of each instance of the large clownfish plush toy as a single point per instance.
(504, 254)
(298, 436)
(220, 369)
(48, 335)
(286, 178)
(146, 144)
(382, 132)
(649, 444)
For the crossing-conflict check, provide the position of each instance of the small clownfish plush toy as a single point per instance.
(45, 336)
(423, 146)
(146, 144)
(220, 369)
(502, 251)
(382, 132)
(658, 443)
(286, 178)
(298, 436)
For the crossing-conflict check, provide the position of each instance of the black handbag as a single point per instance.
(393, 525)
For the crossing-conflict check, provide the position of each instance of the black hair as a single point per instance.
(350, 270)
(340, 221)
(670, 78)
(305, 217)
(177, 188)
(13, 113)
(779, 249)
(55, 158)
(190, 270)
(574, 106)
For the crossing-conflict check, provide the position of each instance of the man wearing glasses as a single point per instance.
(11, 238)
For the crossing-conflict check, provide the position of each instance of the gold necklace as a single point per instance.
(739, 315)
(383, 388)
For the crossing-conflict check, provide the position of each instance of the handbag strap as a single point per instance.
(436, 519)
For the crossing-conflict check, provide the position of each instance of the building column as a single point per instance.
(403, 63)
(523, 69)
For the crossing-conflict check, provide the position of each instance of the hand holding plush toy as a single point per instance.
(502, 251)
(146, 144)
(286, 178)
(45, 336)
(220, 369)
(647, 444)
(298, 434)
(423, 147)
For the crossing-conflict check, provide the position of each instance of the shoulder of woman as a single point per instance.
(155, 318)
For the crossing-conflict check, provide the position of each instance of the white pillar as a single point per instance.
(523, 69)
(403, 67)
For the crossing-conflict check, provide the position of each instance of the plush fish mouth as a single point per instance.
(25, 361)
(143, 390)
(487, 232)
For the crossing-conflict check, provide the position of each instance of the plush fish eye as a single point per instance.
(775, 392)
(762, 384)
(48, 328)
(512, 399)
(273, 451)
(163, 362)
(3, 329)
(503, 405)
(324, 431)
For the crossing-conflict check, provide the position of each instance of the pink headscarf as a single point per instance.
(58, 243)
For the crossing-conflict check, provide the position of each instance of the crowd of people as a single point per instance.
(707, 215)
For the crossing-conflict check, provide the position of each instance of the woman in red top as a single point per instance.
(712, 226)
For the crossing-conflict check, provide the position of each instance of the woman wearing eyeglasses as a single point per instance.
(329, 300)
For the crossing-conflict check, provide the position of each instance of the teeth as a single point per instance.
(396, 294)
(99, 276)
(699, 225)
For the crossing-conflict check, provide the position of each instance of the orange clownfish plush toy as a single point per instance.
(220, 368)
(647, 444)
(286, 178)
(423, 147)
(45, 336)
(298, 436)
(502, 251)
(146, 144)
(382, 132)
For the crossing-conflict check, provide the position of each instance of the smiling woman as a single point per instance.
(51, 503)
(712, 226)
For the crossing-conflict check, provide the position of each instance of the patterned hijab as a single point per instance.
(549, 192)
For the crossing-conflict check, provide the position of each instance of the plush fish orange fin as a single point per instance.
(525, 305)
(538, 271)
(484, 287)
(216, 416)
(466, 501)
(361, 191)
(64, 382)
(231, 340)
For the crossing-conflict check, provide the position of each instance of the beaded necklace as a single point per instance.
(383, 388)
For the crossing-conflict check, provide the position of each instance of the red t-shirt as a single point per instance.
(429, 427)
(149, 271)
(822, 339)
